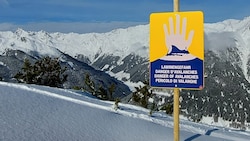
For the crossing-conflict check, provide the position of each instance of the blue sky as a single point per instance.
(103, 15)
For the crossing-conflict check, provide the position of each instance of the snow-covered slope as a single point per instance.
(30, 112)
(112, 52)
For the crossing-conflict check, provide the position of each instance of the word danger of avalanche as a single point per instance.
(176, 76)
(176, 72)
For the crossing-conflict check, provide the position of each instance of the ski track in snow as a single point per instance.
(135, 112)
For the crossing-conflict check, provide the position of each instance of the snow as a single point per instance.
(230, 33)
(1, 63)
(119, 42)
(31, 112)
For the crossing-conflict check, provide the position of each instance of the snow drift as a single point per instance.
(30, 112)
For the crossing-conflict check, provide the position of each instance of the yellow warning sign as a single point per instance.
(176, 51)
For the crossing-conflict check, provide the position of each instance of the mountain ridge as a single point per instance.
(120, 43)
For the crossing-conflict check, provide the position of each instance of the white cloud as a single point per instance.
(76, 27)
(219, 41)
(6, 26)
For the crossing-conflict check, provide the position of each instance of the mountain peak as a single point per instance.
(20, 31)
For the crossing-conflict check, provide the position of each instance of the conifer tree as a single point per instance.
(46, 71)
(111, 90)
(116, 104)
(90, 84)
(28, 73)
(102, 93)
(142, 94)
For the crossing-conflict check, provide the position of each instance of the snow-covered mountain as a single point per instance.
(31, 112)
(123, 53)
(233, 35)
(118, 52)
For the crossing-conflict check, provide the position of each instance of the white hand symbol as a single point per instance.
(177, 39)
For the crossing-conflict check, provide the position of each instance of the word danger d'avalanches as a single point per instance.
(176, 74)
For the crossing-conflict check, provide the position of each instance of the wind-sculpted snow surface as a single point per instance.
(30, 112)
